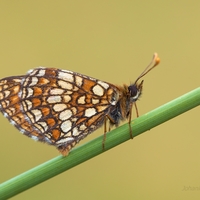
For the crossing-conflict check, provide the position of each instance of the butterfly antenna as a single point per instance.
(155, 61)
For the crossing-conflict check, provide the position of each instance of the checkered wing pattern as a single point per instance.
(58, 107)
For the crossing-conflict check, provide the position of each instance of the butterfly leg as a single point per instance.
(129, 123)
(105, 129)
(130, 117)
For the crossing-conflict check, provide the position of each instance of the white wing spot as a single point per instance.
(65, 85)
(66, 98)
(29, 104)
(79, 81)
(74, 110)
(56, 91)
(59, 107)
(66, 126)
(75, 132)
(5, 87)
(82, 127)
(98, 90)
(65, 76)
(95, 101)
(90, 112)
(66, 114)
(30, 92)
(37, 113)
(54, 99)
(34, 81)
(81, 100)
(65, 140)
(41, 72)
(7, 92)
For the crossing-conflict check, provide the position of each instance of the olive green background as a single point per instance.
(112, 41)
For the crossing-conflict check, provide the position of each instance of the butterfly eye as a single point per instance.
(133, 90)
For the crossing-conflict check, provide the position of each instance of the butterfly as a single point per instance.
(61, 107)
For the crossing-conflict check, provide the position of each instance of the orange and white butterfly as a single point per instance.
(61, 107)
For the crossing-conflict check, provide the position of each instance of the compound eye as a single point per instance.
(133, 90)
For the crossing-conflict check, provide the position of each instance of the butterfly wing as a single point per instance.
(55, 106)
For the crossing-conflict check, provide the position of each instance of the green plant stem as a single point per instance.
(93, 148)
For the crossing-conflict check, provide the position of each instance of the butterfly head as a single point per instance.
(135, 91)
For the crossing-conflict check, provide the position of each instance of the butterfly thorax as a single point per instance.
(127, 96)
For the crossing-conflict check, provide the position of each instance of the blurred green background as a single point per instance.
(112, 41)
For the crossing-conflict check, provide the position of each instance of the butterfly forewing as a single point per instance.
(59, 107)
